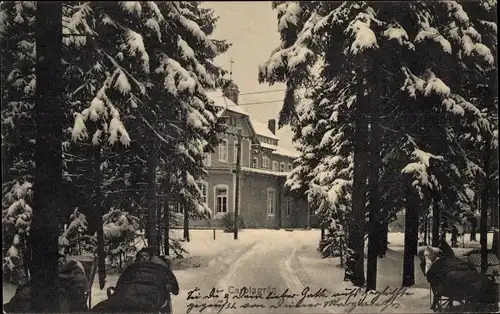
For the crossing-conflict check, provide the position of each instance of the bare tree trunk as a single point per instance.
(374, 210)
(186, 224)
(159, 226)
(473, 229)
(436, 222)
(166, 225)
(494, 219)
(49, 117)
(411, 238)
(383, 236)
(426, 230)
(152, 200)
(100, 212)
(356, 242)
(483, 222)
(454, 237)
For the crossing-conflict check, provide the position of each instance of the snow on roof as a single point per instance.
(269, 146)
(285, 152)
(262, 129)
(263, 171)
(278, 150)
(224, 102)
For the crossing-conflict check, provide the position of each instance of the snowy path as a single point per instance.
(272, 261)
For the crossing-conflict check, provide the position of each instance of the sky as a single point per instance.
(251, 27)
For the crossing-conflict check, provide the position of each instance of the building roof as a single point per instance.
(262, 129)
(225, 103)
(278, 150)
(285, 152)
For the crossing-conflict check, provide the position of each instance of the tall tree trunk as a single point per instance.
(494, 204)
(426, 230)
(49, 117)
(411, 238)
(166, 224)
(186, 224)
(384, 232)
(483, 222)
(152, 200)
(494, 220)
(159, 225)
(356, 241)
(436, 222)
(454, 237)
(308, 217)
(374, 210)
(100, 212)
(473, 228)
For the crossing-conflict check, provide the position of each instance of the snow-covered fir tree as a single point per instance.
(156, 75)
(424, 108)
(18, 134)
(134, 72)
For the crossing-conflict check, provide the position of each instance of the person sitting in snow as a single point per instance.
(144, 286)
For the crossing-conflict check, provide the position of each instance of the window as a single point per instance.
(265, 162)
(178, 208)
(221, 196)
(255, 162)
(275, 165)
(289, 167)
(271, 201)
(223, 151)
(282, 167)
(203, 186)
(288, 204)
(232, 121)
(207, 160)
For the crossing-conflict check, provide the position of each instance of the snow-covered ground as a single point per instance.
(279, 259)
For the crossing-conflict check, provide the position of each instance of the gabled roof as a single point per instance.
(225, 103)
(259, 128)
(262, 129)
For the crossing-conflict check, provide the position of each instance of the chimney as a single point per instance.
(231, 91)
(271, 125)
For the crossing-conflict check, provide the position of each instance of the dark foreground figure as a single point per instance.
(72, 285)
(144, 286)
(453, 279)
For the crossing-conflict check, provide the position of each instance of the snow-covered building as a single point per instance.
(264, 200)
